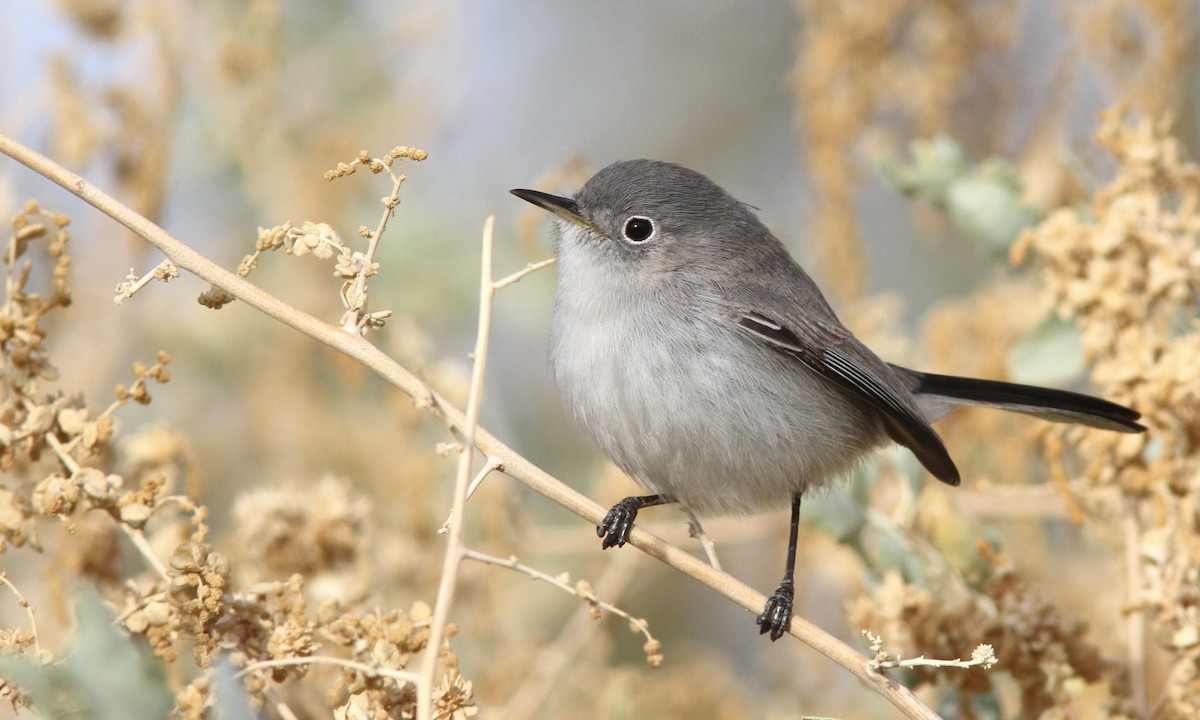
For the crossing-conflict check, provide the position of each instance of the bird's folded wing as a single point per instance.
(838, 357)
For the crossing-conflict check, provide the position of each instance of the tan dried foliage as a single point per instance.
(62, 461)
(1123, 269)
(1126, 270)
(1128, 273)
(859, 61)
(1046, 652)
(302, 581)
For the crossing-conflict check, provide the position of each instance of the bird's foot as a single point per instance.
(618, 522)
(776, 617)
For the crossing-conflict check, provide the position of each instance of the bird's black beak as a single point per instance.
(564, 207)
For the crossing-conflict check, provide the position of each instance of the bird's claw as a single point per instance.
(618, 523)
(776, 616)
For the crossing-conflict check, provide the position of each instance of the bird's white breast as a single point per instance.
(663, 380)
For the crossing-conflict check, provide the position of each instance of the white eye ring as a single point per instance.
(638, 229)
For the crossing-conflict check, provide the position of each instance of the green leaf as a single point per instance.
(982, 201)
(837, 514)
(935, 164)
(1051, 355)
(106, 675)
(988, 211)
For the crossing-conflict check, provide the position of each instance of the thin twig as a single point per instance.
(285, 711)
(165, 271)
(400, 676)
(584, 593)
(141, 603)
(138, 538)
(516, 277)
(984, 656)
(515, 465)
(556, 658)
(489, 465)
(354, 321)
(922, 661)
(697, 531)
(389, 209)
(454, 542)
(37, 646)
(135, 535)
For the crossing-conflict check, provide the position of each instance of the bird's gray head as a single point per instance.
(657, 215)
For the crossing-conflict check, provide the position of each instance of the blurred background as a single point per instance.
(899, 148)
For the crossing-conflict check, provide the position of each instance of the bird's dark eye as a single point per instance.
(638, 228)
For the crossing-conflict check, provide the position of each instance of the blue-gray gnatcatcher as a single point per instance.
(709, 367)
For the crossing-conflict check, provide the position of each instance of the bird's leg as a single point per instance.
(619, 521)
(777, 615)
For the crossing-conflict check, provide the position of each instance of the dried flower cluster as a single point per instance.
(1046, 653)
(1128, 273)
(62, 461)
(1125, 271)
(323, 242)
(1122, 270)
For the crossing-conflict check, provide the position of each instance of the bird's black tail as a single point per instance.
(1046, 403)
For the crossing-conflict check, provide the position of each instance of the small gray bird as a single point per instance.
(709, 367)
